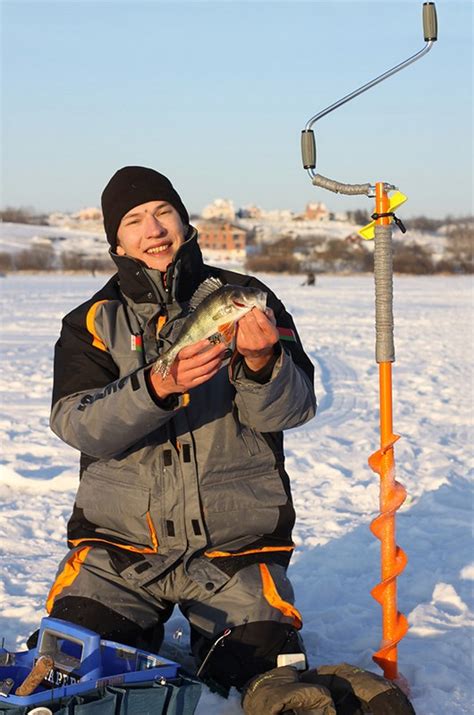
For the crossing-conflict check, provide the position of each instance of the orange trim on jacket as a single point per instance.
(126, 547)
(67, 576)
(264, 549)
(154, 537)
(159, 323)
(90, 325)
(273, 597)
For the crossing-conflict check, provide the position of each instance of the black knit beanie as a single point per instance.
(130, 187)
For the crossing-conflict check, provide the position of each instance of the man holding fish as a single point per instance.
(175, 382)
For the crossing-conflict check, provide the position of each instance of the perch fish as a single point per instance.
(215, 309)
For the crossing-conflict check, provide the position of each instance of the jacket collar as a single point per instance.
(184, 274)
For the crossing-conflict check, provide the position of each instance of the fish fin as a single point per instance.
(163, 365)
(227, 331)
(210, 285)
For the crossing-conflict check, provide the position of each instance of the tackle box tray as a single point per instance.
(84, 664)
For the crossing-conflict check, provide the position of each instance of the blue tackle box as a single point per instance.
(94, 676)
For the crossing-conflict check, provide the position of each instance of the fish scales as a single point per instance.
(216, 308)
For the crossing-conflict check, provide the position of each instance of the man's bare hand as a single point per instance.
(194, 365)
(256, 336)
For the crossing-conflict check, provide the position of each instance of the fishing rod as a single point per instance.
(392, 493)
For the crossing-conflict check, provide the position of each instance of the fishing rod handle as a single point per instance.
(430, 22)
(383, 274)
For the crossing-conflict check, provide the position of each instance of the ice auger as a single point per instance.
(392, 494)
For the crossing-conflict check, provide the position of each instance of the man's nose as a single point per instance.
(153, 226)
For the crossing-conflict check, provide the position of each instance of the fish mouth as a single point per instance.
(239, 304)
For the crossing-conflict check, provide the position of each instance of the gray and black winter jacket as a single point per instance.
(198, 477)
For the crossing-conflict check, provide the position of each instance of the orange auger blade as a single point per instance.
(394, 559)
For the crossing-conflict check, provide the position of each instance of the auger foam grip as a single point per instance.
(383, 273)
(339, 188)
(308, 149)
(430, 22)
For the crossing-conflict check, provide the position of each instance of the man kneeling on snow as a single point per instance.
(184, 498)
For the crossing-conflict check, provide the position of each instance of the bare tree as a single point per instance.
(459, 249)
(412, 258)
(22, 214)
(6, 262)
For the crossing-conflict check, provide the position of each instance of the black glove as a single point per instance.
(279, 691)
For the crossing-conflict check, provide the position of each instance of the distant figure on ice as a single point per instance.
(310, 280)
(184, 498)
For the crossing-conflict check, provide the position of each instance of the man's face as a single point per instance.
(152, 232)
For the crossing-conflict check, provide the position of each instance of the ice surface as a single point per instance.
(336, 494)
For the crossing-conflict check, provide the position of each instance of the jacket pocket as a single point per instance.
(262, 491)
(246, 434)
(116, 508)
(250, 440)
(244, 510)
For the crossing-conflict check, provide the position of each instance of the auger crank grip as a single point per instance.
(308, 149)
(430, 22)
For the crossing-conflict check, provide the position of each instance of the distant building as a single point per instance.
(58, 219)
(220, 209)
(278, 215)
(316, 212)
(250, 211)
(88, 220)
(89, 214)
(216, 235)
(354, 238)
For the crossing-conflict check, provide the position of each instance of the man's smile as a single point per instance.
(158, 249)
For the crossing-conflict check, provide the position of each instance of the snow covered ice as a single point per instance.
(335, 492)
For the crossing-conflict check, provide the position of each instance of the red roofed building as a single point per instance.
(221, 236)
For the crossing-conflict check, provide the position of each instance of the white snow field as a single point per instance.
(336, 494)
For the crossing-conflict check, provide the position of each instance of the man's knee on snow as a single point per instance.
(248, 650)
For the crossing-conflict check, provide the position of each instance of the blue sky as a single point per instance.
(215, 95)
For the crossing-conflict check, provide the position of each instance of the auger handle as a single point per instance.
(308, 143)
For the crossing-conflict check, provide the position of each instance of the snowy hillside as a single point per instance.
(16, 237)
(335, 493)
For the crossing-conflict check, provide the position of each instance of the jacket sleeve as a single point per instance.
(287, 399)
(94, 409)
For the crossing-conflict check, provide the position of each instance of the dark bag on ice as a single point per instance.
(356, 691)
(281, 691)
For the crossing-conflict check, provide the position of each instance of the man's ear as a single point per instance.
(120, 251)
